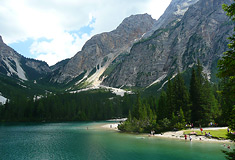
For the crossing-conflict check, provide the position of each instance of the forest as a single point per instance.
(177, 105)
(84, 106)
(200, 104)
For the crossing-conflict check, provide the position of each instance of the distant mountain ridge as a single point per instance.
(15, 65)
(140, 52)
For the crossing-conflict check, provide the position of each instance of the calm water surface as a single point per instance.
(72, 141)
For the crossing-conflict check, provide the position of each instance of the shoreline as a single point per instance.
(111, 126)
(180, 136)
(177, 135)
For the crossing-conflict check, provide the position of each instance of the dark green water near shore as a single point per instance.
(72, 141)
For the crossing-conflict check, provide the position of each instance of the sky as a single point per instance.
(53, 30)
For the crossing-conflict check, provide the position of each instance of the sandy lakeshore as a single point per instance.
(180, 135)
(177, 134)
(113, 123)
(113, 126)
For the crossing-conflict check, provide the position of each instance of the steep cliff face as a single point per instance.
(173, 14)
(98, 52)
(200, 34)
(15, 65)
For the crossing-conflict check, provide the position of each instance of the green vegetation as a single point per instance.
(220, 133)
(109, 70)
(84, 106)
(181, 101)
(176, 106)
(227, 74)
(13, 87)
(92, 72)
(114, 63)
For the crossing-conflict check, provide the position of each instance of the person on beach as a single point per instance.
(152, 133)
(185, 137)
(201, 130)
(190, 138)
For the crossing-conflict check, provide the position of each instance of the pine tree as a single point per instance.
(170, 106)
(204, 105)
(181, 98)
(129, 116)
(226, 67)
(137, 108)
(163, 110)
(181, 116)
(227, 73)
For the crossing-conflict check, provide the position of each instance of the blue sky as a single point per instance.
(52, 30)
(23, 47)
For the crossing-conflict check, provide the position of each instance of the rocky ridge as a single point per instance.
(15, 65)
(200, 34)
(98, 52)
(173, 14)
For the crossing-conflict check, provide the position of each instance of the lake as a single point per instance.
(72, 141)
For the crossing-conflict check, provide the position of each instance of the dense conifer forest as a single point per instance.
(176, 106)
(84, 106)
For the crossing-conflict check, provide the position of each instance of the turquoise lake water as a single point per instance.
(72, 141)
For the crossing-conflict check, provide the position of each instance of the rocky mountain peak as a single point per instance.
(99, 52)
(181, 6)
(135, 21)
(200, 33)
(2, 44)
(1, 41)
(174, 12)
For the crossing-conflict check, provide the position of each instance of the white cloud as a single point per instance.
(157, 7)
(58, 19)
(65, 46)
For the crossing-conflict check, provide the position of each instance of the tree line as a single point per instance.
(83, 106)
(176, 106)
(200, 104)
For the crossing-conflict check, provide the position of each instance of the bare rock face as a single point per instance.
(173, 14)
(15, 65)
(102, 49)
(1, 41)
(201, 34)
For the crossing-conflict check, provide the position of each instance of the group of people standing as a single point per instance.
(190, 137)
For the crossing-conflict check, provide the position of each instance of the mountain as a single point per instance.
(201, 34)
(13, 64)
(18, 75)
(103, 54)
(174, 13)
(140, 52)
(99, 52)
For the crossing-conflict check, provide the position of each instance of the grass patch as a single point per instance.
(220, 133)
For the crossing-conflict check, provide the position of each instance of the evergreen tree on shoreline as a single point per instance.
(204, 105)
(227, 73)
